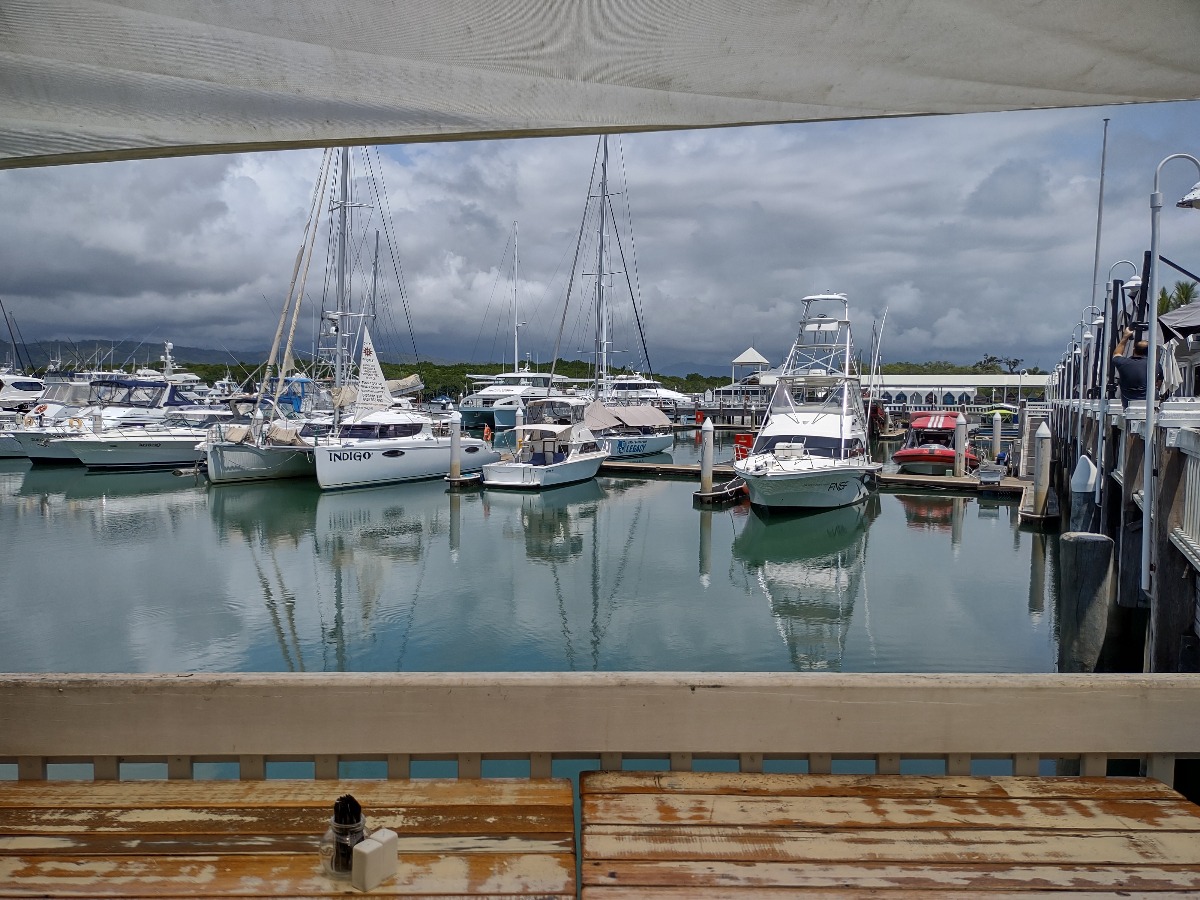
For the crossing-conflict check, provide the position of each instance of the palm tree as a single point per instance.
(1183, 293)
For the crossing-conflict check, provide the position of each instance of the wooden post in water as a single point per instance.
(960, 446)
(455, 445)
(1083, 485)
(1086, 595)
(706, 457)
(1041, 470)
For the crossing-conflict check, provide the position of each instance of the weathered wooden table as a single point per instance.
(678, 834)
(470, 838)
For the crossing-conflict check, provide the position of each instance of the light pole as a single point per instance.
(1191, 200)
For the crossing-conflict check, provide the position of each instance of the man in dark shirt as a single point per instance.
(1131, 371)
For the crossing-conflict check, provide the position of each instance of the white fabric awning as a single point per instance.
(87, 80)
(641, 416)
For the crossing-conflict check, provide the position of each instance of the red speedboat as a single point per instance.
(929, 447)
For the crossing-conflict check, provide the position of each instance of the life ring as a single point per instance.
(75, 423)
(30, 421)
(38, 410)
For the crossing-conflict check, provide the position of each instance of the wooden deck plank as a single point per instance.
(279, 793)
(485, 838)
(886, 812)
(743, 835)
(742, 783)
(886, 876)
(891, 845)
(482, 819)
(723, 893)
(279, 876)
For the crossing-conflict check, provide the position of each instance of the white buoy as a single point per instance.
(1041, 470)
(960, 446)
(455, 446)
(706, 457)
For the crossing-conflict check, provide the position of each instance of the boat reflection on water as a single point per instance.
(549, 520)
(934, 512)
(261, 513)
(810, 567)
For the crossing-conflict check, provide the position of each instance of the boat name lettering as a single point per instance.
(631, 446)
(349, 455)
(837, 486)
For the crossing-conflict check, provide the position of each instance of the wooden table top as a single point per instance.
(469, 838)
(667, 835)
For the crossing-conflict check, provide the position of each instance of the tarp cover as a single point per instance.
(1179, 323)
(599, 417)
(87, 80)
(640, 416)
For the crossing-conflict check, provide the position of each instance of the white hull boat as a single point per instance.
(228, 463)
(388, 441)
(137, 448)
(556, 448)
(812, 451)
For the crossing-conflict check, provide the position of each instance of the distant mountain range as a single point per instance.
(97, 354)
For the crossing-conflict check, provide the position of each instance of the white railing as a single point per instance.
(398, 719)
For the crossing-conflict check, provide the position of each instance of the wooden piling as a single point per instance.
(1086, 596)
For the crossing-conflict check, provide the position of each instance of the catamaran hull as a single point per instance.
(229, 463)
(633, 447)
(809, 489)
(365, 463)
(525, 476)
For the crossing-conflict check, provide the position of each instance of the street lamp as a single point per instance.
(1191, 200)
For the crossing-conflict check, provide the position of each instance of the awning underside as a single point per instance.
(85, 80)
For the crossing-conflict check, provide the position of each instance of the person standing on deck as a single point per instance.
(1131, 370)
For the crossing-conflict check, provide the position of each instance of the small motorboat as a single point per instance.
(929, 447)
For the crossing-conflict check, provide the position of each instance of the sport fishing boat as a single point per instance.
(554, 447)
(387, 440)
(812, 451)
(929, 447)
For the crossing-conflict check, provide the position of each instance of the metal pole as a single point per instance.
(960, 446)
(1041, 477)
(996, 421)
(1150, 468)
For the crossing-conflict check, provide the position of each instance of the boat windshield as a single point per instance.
(370, 430)
(117, 393)
(814, 445)
(551, 412)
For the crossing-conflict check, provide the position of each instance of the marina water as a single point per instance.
(155, 572)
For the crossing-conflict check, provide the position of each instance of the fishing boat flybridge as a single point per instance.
(813, 450)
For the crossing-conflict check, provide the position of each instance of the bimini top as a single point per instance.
(935, 421)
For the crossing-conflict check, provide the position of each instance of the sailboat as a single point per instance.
(813, 449)
(388, 440)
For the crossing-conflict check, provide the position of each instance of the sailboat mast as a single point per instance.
(339, 363)
(601, 306)
(516, 326)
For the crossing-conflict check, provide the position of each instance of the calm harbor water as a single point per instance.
(153, 572)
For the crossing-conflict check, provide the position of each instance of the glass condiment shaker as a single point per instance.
(337, 846)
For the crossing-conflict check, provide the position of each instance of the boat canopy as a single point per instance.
(935, 421)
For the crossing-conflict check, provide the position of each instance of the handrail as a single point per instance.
(538, 717)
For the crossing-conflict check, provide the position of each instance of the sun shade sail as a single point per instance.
(87, 80)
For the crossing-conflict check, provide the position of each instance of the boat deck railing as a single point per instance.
(748, 721)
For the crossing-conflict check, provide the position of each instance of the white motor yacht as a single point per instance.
(497, 398)
(172, 443)
(812, 451)
(554, 447)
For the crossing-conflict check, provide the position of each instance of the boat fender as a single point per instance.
(487, 433)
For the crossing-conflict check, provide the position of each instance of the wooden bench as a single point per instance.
(681, 834)
(469, 838)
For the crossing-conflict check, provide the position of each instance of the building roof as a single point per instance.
(751, 357)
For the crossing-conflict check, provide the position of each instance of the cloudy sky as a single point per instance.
(976, 234)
